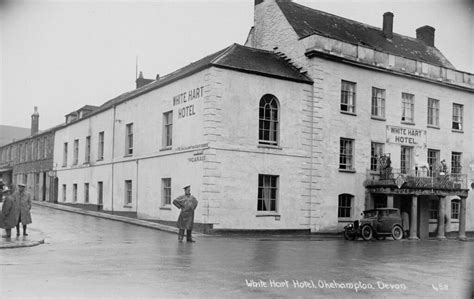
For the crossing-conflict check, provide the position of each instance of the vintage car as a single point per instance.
(377, 223)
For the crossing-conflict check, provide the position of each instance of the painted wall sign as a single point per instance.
(192, 147)
(197, 158)
(185, 98)
(406, 136)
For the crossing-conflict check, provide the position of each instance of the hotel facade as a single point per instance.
(314, 120)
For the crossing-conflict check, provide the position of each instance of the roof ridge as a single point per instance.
(224, 52)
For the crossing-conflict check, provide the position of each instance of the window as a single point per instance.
(40, 149)
(65, 154)
(128, 192)
(76, 152)
(456, 162)
(74, 192)
(268, 120)
(348, 93)
(100, 193)
(64, 192)
(408, 104)
(378, 102)
(87, 158)
(45, 153)
(100, 152)
(346, 154)
(455, 204)
(406, 157)
(168, 129)
(129, 139)
(166, 191)
(267, 192)
(433, 161)
(433, 208)
(376, 151)
(457, 116)
(433, 112)
(86, 192)
(345, 205)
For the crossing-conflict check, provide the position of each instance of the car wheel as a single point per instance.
(397, 233)
(366, 232)
(349, 236)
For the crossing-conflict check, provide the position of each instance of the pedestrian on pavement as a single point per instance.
(24, 200)
(187, 204)
(10, 212)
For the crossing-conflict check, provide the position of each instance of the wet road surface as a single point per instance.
(86, 257)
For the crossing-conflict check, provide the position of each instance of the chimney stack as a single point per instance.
(388, 24)
(426, 34)
(35, 122)
(142, 81)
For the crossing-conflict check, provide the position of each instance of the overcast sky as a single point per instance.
(62, 55)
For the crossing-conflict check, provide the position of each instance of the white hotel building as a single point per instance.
(290, 132)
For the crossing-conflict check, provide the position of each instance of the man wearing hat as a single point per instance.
(24, 201)
(187, 204)
(10, 212)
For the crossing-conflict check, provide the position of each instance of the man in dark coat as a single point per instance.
(10, 212)
(187, 204)
(24, 201)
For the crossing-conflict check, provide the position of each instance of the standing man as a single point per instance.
(187, 204)
(24, 200)
(10, 212)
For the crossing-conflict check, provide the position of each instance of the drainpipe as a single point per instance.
(136, 190)
(113, 155)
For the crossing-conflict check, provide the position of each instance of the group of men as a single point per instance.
(15, 210)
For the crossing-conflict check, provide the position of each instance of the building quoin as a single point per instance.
(315, 119)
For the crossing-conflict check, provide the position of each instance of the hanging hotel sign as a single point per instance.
(406, 136)
(184, 101)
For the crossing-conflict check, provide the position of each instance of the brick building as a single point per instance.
(30, 160)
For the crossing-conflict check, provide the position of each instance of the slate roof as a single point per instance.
(307, 21)
(235, 57)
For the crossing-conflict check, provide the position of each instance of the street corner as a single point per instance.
(33, 239)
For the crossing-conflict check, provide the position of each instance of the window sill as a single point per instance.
(167, 208)
(433, 127)
(348, 113)
(168, 148)
(269, 146)
(268, 215)
(407, 123)
(128, 155)
(127, 206)
(454, 220)
(345, 220)
(101, 159)
(347, 170)
(378, 118)
(457, 131)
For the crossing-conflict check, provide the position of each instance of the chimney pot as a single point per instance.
(388, 24)
(426, 34)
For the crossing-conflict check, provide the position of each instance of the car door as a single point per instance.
(383, 222)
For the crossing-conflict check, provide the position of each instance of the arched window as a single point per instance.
(345, 205)
(268, 120)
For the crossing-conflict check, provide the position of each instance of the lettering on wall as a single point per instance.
(406, 136)
(185, 103)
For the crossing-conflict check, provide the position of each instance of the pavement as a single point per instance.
(35, 238)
